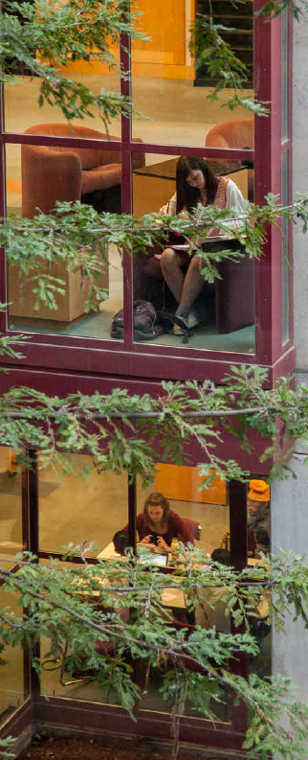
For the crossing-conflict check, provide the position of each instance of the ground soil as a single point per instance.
(63, 748)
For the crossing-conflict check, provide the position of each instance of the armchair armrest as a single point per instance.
(47, 176)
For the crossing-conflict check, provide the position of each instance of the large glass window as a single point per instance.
(258, 546)
(170, 86)
(38, 177)
(12, 671)
(57, 678)
(205, 515)
(81, 509)
(12, 684)
(10, 504)
(23, 112)
(168, 277)
(169, 83)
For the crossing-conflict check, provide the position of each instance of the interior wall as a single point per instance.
(164, 55)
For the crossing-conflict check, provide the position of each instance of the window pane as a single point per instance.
(77, 509)
(23, 112)
(285, 263)
(167, 277)
(38, 177)
(258, 519)
(259, 540)
(12, 673)
(172, 91)
(203, 517)
(56, 677)
(10, 504)
(12, 687)
(284, 74)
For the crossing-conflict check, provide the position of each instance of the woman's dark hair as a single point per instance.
(121, 541)
(186, 196)
(156, 499)
(221, 555)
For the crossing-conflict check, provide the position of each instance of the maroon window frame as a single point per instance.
(128, 358)
(65, 710)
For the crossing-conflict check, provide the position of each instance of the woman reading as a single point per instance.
(195, 183)
(158, 524)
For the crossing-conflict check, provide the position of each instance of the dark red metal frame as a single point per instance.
(147, 361)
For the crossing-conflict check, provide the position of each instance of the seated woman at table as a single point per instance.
(195, 183)
(158, 524)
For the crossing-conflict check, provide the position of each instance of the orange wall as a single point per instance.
(182, 483)
(164, 55)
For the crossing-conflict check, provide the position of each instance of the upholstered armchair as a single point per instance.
(236, 133)
(51, 173)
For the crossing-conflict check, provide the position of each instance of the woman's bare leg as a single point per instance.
(192, 287)
(171, 264)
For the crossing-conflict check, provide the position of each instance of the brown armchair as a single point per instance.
(236, 133)
(51, 173)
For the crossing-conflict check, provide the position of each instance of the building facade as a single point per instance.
(77, 352)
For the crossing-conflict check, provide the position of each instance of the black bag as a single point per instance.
(146, 326)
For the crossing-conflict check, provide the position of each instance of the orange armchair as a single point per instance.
(51, 173)
(236, 133)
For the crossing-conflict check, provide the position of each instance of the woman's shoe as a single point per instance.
(182, 325)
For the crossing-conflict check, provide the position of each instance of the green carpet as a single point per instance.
(98, 325)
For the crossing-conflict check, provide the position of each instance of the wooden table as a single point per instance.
(110, 553)
(171, 597)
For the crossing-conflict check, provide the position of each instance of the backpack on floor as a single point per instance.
(145, 321)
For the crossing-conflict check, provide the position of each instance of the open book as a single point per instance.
(210, 239)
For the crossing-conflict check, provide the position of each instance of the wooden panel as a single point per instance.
(164, 22)
(241, 180)
(150, 193)
(70, 305)
(182, 483)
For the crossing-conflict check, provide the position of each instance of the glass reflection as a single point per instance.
(12, 686)
(169, 87)
(259, 542)
(38, 177)
(58, 679)
(22, 109)
(219, 316)
(77, 509)
(258, 519)
(202, 518)
(10, 504)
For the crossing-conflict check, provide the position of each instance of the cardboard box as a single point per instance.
(70, 306)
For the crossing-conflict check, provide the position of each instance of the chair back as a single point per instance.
(193, 527)
(89, 157)
(236, 133)
(53, 173)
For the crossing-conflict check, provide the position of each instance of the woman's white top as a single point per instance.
(234, 199)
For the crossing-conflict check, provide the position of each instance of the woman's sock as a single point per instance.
(182, 311)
